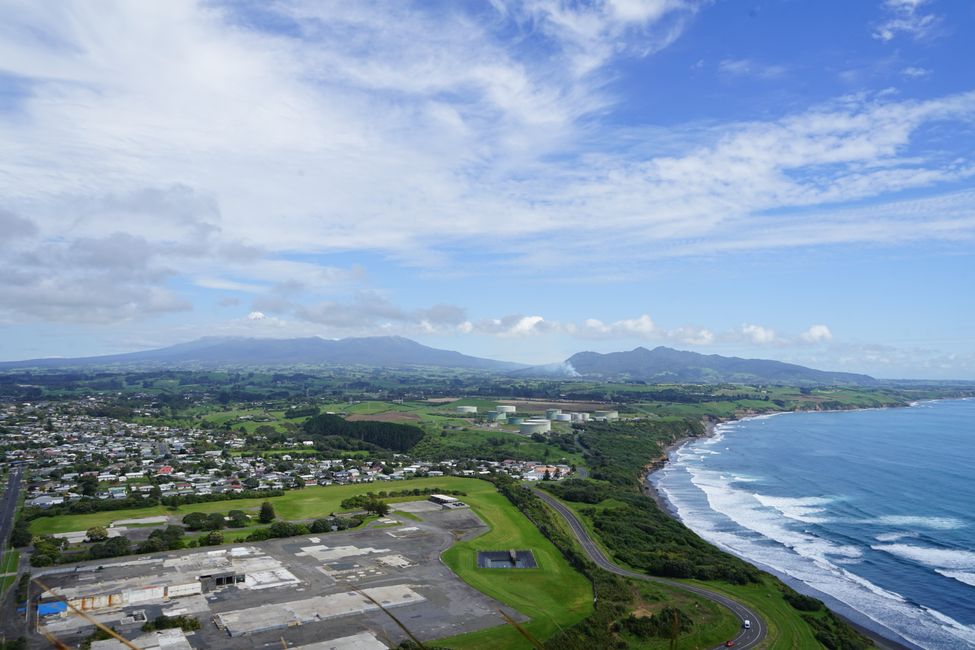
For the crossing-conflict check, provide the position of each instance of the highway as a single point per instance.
(746, 638)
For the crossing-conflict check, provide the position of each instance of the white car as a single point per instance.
(748, 624)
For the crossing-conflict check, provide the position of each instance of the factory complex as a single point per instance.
(337, 590)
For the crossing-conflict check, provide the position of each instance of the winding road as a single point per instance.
(747, 638)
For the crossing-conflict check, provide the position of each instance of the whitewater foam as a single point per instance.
(942, 558)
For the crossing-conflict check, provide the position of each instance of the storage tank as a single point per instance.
(551, 413)
(512, 420)
(606, 415)
(506, 408)
(535, 426)
(467, 409)
(563, 417)
(494, 416)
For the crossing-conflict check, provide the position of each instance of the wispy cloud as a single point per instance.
(907, 17)
(236, 153)
(749, 68)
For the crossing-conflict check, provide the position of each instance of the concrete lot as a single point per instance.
(306, 590)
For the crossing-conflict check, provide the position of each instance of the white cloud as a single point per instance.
(233, 158)
(758, 334)
(915, 72)
(906, 17)
(749, 68)
(817, 334)
(256, 315)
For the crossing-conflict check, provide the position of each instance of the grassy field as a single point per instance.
(553, 595)
(309, 503)
(9, 562)
(786, 630)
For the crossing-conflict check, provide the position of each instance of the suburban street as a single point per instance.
(746, 638)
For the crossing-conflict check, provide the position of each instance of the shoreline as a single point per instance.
(650, 491)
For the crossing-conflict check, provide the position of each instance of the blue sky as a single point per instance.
(521, 180)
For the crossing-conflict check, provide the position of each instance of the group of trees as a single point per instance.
(87, 506)
(163, 622)
(216, 520)
(668, 623)
(287, 529)
(50, 550)
(360, 501)
(387, 435)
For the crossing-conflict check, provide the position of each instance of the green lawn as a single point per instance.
(553, 595)
(786, 630)
(10, 561)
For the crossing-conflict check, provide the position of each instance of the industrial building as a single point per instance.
(303, 589)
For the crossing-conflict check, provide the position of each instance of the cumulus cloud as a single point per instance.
(817, 334)
(758, 334)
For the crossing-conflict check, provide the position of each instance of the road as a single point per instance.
(747, 638)
(8, 506)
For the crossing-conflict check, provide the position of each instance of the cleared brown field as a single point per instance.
(389, 416)
(532, 405)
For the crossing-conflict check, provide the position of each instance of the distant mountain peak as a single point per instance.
(375, 351)
(664, 365)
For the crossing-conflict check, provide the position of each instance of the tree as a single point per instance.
(547, 476)
(377, 506)
(88, 485)
(97, 534)
(214, 521)
(213, 538)
(238, 518)
(195, 521)
(21, 535)
(267, 513)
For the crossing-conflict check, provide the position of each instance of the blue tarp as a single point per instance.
(51, 609)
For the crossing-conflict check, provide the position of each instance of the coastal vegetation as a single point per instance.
(642, 537)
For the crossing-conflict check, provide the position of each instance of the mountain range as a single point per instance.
(378, 351)
(666, 365)
(660, 365)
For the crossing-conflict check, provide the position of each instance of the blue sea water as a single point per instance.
(873, 511)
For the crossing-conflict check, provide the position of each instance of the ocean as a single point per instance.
(872, 511)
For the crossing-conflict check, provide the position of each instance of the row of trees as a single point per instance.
(233, 519)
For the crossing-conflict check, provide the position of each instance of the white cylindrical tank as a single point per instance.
(551, 413)
(607, 415)
(563, 417)
(467, 409)
(494, 416)
(506, 408)
(535, 425)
